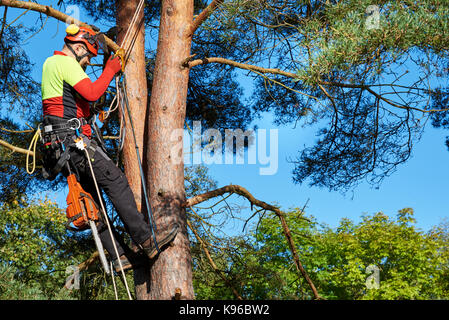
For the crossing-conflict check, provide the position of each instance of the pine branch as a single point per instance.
(83, 266)
(15, 149)
(49, 11)
(189, 63)
(203, 16)
(245, 66)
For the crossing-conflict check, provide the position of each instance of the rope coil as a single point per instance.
(33, 145)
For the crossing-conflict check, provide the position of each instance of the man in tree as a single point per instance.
(66, 93)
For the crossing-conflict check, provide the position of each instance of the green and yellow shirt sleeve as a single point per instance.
(66, 88)
(57, 71)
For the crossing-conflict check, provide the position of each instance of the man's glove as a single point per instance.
(121, 54)
(114, 63)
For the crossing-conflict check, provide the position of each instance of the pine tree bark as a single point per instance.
(137, 92)
(172, 269)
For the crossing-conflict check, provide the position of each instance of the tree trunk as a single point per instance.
(172, 269)
(137, 91)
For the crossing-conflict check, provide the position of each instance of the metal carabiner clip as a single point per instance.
(77, 123)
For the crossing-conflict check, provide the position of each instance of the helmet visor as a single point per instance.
(93, 41)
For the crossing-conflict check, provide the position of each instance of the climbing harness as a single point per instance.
(82, 212)
(58, 137)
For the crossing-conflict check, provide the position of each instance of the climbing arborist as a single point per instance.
(67, 92)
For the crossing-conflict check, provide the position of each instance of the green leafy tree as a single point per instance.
(36, 249)
(13, 289)
(316, 62)
(412, 264)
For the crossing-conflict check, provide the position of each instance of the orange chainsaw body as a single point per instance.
(80, 205)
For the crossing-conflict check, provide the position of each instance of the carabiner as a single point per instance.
(77, 124)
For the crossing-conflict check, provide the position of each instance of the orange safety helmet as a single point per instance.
(83, 35)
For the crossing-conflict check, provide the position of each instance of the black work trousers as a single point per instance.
(114, 183)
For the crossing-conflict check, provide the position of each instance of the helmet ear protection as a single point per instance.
(88, 37)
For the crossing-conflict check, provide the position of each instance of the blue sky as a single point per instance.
(421, 183)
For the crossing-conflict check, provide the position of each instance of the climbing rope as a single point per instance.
(121, 99)
(33, 145)
(107, 222)
(113, 281)
(127, 44)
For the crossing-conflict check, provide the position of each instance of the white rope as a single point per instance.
(113, 280)
(117, 97)
(125, 40)
(108, 224)
(126, 46)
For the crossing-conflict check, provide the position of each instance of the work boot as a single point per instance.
(163, 237)
(129, 261)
